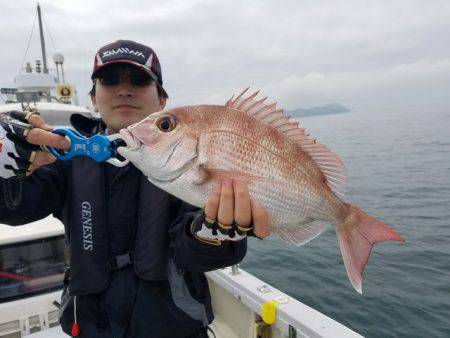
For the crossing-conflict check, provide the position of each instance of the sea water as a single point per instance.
(399, 172)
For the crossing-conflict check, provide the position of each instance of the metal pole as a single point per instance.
(62, 73)
(44, 57)
(57, 73)
(292, 332)
(235, 270)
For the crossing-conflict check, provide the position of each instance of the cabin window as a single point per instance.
(30, 268)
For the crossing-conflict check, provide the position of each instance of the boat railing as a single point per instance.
(293, 318)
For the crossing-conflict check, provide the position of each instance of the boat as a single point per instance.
(33, 260)
(33, 257)
(39, 90)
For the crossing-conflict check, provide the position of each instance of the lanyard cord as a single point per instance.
(12, 197)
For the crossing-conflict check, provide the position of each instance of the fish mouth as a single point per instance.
(132, 142)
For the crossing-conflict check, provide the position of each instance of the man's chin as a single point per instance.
(129, 118)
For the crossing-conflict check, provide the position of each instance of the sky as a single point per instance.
(367, 55)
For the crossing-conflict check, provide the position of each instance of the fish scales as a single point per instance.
(229, 149)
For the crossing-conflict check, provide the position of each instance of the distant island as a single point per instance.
(334, 108)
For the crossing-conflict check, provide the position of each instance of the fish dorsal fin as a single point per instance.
(330, 165)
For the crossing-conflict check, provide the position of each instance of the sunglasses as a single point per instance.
(139, 79)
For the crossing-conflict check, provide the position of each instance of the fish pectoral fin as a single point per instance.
(220, 174)
(302, 233)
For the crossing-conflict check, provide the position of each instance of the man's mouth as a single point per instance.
(126, 105)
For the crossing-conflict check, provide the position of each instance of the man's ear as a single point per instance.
(162, 102)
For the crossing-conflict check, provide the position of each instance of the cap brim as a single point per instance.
(138, 65)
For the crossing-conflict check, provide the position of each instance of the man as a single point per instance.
(137, 263)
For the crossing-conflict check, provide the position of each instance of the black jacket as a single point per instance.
(109, 211)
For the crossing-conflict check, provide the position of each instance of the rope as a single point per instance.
(49, 34)
(28, 44)
(75, 308)
(210, 330)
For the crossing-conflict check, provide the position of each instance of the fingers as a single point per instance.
(42, 137)
(42, 158)
(230, 202)
(38, 159)
(221, 201)
(261, 225)
(41, 134)
(225, 214)
(38, 122)
(242, 209)
(212, 204)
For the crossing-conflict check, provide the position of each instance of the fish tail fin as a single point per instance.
(356, 236)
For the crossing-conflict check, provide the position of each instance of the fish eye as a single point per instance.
(166, 123)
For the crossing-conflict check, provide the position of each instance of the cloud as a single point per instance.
(401, 85)
(362, 54)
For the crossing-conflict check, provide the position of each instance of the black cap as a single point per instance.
(127, 51)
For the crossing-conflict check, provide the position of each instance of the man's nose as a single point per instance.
(125, 89)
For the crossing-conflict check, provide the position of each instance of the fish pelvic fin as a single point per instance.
(301, 233)
(356, 237)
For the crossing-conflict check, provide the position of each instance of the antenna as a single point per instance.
(44, 57)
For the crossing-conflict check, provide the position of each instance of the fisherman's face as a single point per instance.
(125, 94)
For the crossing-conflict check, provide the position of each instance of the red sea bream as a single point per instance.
(187, 151)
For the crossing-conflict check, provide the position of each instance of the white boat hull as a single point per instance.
(237, 300)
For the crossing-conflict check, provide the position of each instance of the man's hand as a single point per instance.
(230, 203)
(21, 135)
